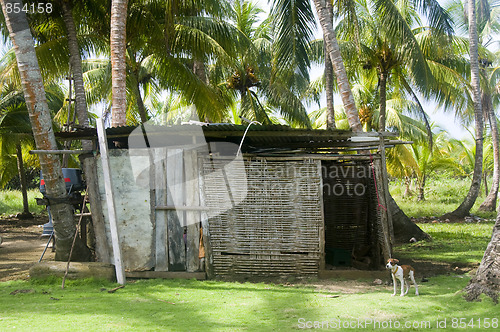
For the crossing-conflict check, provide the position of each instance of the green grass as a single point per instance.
(442, 194)
(189, 305)
(452, 242)
(11, 202)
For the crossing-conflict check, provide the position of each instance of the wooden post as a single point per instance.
(385, 187)
(192, 198)
(103, 145)
(102, 249)
(386, 245)
(209, 258)
(175, 219)
(322, 221)
(161, 253)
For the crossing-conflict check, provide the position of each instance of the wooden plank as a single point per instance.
(102, 249)
(182, 208)
(103, 145)
(209, 258)
(60, 151)
(161, 243)
(193, 218)
(175, 219)
(322, 221)
(166, 275)
(386, 196)
(386, 244)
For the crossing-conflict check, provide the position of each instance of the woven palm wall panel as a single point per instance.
(275, 228)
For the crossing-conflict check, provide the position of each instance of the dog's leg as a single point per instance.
(394, 283)
(412, 277)
(402, 280)
(407, 285)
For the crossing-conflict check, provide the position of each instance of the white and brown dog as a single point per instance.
(402, 273)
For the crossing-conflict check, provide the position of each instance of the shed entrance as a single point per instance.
(350, 212)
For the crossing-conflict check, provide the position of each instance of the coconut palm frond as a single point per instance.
(294, 22)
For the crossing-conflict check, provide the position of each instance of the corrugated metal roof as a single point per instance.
(257, 136)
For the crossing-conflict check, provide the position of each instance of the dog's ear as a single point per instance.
(395, 261)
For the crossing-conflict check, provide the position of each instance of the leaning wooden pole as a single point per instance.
(108, 187)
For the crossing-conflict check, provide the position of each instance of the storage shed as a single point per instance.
(241, 201)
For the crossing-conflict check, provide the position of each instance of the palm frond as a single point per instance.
(294, 21)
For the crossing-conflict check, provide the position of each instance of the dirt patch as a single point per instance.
(21, 247)
(345, 286)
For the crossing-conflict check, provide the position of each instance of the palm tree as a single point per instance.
(483, 282)
(254, 78)
(64, 225)
(332, 47)
(76, 66)
(419, 161)
(471, 197)
(118, 40)
(15, 132)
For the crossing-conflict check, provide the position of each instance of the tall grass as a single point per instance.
(11, 202)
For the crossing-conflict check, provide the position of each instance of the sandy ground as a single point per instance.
(22, 245)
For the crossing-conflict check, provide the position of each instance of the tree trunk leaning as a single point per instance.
(333, 51)
(464, 208)
(404, 228)
(41, 122)
(487, 278)
(76, 65)
(490, 202)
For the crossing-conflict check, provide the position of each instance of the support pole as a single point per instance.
(103, 145)
(385, 187)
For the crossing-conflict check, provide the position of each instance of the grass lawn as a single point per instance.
(188, 305)
(460, 243)
(442, 194)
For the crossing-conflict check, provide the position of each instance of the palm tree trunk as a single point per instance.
(333, 49)
(76, 65)
(383, 100)
(140, 104)
(421, 190)
(118, 39)
(464, 208)
(329, 77)
(487, 278)
(404, 228)
(41, 122)
(330, 109)
(22, 180)
(490, 201)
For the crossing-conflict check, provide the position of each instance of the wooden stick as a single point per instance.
(115, 289)
(103, 145)
(60, 151)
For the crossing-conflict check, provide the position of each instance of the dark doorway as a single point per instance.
(350, 211)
